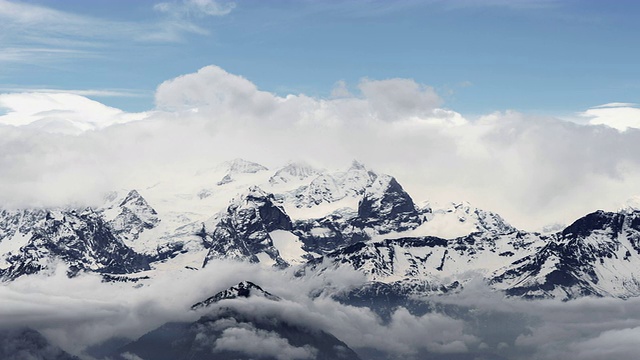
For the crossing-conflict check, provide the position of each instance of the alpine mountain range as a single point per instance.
(313, 220)
(309, 222)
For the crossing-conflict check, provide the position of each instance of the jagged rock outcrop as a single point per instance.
(386, 207)
(81, 240)
(242, 232)
(133, 215)
(329, 188)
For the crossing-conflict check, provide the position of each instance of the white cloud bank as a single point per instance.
(259, 343)
(75, 313)
(620, 116)
(63, 113)
(532, 170)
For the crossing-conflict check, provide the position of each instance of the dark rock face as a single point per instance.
(243, 231)
(387, 206)
(18, 222)
(28, 344)
(378, 259)
(81, 239)
(330, 232)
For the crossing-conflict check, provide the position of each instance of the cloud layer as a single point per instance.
(532, 170)
(75, 313)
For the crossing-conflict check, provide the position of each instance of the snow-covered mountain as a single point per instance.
(596, 255)
(316, 220)
(237, 167)
(292, 172)
(244, 231)
(82, 240)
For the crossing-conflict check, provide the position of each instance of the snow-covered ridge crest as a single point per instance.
(316, 220)
(240, 166)
(293, 171)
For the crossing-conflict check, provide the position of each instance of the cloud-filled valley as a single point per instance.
(476, 323)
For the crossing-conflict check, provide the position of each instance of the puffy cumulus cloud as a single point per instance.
(223, 96)
(261, 343)
(404, 336)
(586, 328)
(399, 98)
(63, 113)
(532, 170)
(610, 344)
(216, 91)
(620, 116)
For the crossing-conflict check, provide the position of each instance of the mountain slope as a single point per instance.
(80, 239)
(228, 331)
(243, 231)
(599, 254)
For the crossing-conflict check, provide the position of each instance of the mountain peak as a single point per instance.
(357, 165)
(255, 191)
(386, 202)
(242, 166)
(243, 231)
(631, 205)
(132, 216)
(133, 198)
(293, 171)
(244, 289)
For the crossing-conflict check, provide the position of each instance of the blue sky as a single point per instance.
(545, 57)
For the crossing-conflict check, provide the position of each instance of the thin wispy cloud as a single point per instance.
(39, 54)
(37, 33)
(195, 8)
(511, 4)
(128, 93)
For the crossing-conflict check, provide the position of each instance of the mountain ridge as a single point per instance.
(379, 232)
